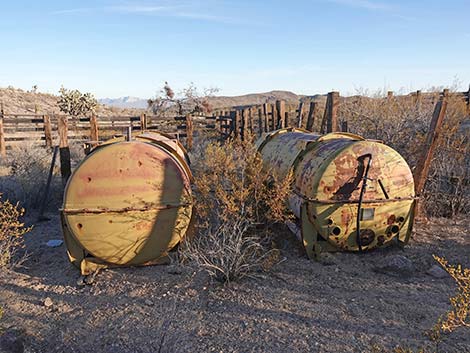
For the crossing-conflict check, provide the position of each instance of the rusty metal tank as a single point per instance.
(127, 203)
(349, 193)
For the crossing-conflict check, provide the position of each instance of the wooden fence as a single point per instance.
(272, 116)
(49, 130)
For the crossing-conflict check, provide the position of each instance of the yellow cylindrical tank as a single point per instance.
(348, 194)
(127, 203)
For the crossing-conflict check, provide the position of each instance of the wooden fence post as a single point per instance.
(266, 117)
(189, 131)
(251, 111)
(245, 123)
(424, 163)
(94, 137)
(260, 122)
(333, 120)
(286, 119)
(467, 99)
(64, 151)
(418, 97)
(300, 115)
(143, 122)
(330, 117)
(47, 130)
(311, 116)
(234, 123)
(3, 149)
(273, 117)
(281, 113)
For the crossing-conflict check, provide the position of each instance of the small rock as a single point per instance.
(54, 243)
(81, 281)
(148, 302)
(11, 341)
(437, 271)
(174, 270)
(191, 292)
(328, 259)
(396, 265)
(48, 302)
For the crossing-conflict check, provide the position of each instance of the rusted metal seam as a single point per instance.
(331, 202)
(119, 210)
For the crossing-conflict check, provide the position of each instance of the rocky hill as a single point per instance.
(18, 101)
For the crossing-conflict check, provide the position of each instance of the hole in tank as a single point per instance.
(329, 221)
(336, 231)
(367, 236)
(89, 179)
(401, 219)
(395, 229)
(110, 221)
(80, 226)
(139, 163)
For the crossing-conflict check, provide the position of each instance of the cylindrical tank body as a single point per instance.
(349, 193)
(127, 203)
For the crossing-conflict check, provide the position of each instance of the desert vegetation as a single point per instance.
(241, 272)
(402, 122)
(238, 202)
(75, 103)
(12, 230)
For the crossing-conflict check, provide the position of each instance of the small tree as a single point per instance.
(75, 103)
(188, 101)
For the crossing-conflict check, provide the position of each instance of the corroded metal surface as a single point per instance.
(127, 203)
(329, 173)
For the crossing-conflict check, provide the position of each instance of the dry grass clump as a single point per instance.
(237, 203)
(27, 172)
(459, 315)
(12, 231)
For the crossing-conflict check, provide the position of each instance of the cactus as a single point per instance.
(75, 103)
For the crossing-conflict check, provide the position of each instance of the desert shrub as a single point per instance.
(12, 231)
(447, 191)
(75, 103)
(459, 315)
(402, 122)
(237, 202)
(27, 169)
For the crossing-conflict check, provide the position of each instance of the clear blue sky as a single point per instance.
(120, 48)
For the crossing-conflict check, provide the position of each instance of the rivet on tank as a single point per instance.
(349, 193)
(128, 203)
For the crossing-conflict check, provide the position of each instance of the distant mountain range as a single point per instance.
(125, 102)
(216, 102)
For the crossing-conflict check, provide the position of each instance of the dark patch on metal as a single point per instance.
(346, 190)
(367, 236)
(380, 240)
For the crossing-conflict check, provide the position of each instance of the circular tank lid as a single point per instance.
(127, 202)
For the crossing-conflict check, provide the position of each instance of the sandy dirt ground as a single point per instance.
(341, 305)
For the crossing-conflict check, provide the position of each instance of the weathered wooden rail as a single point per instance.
(46, 130)
(236, 122)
